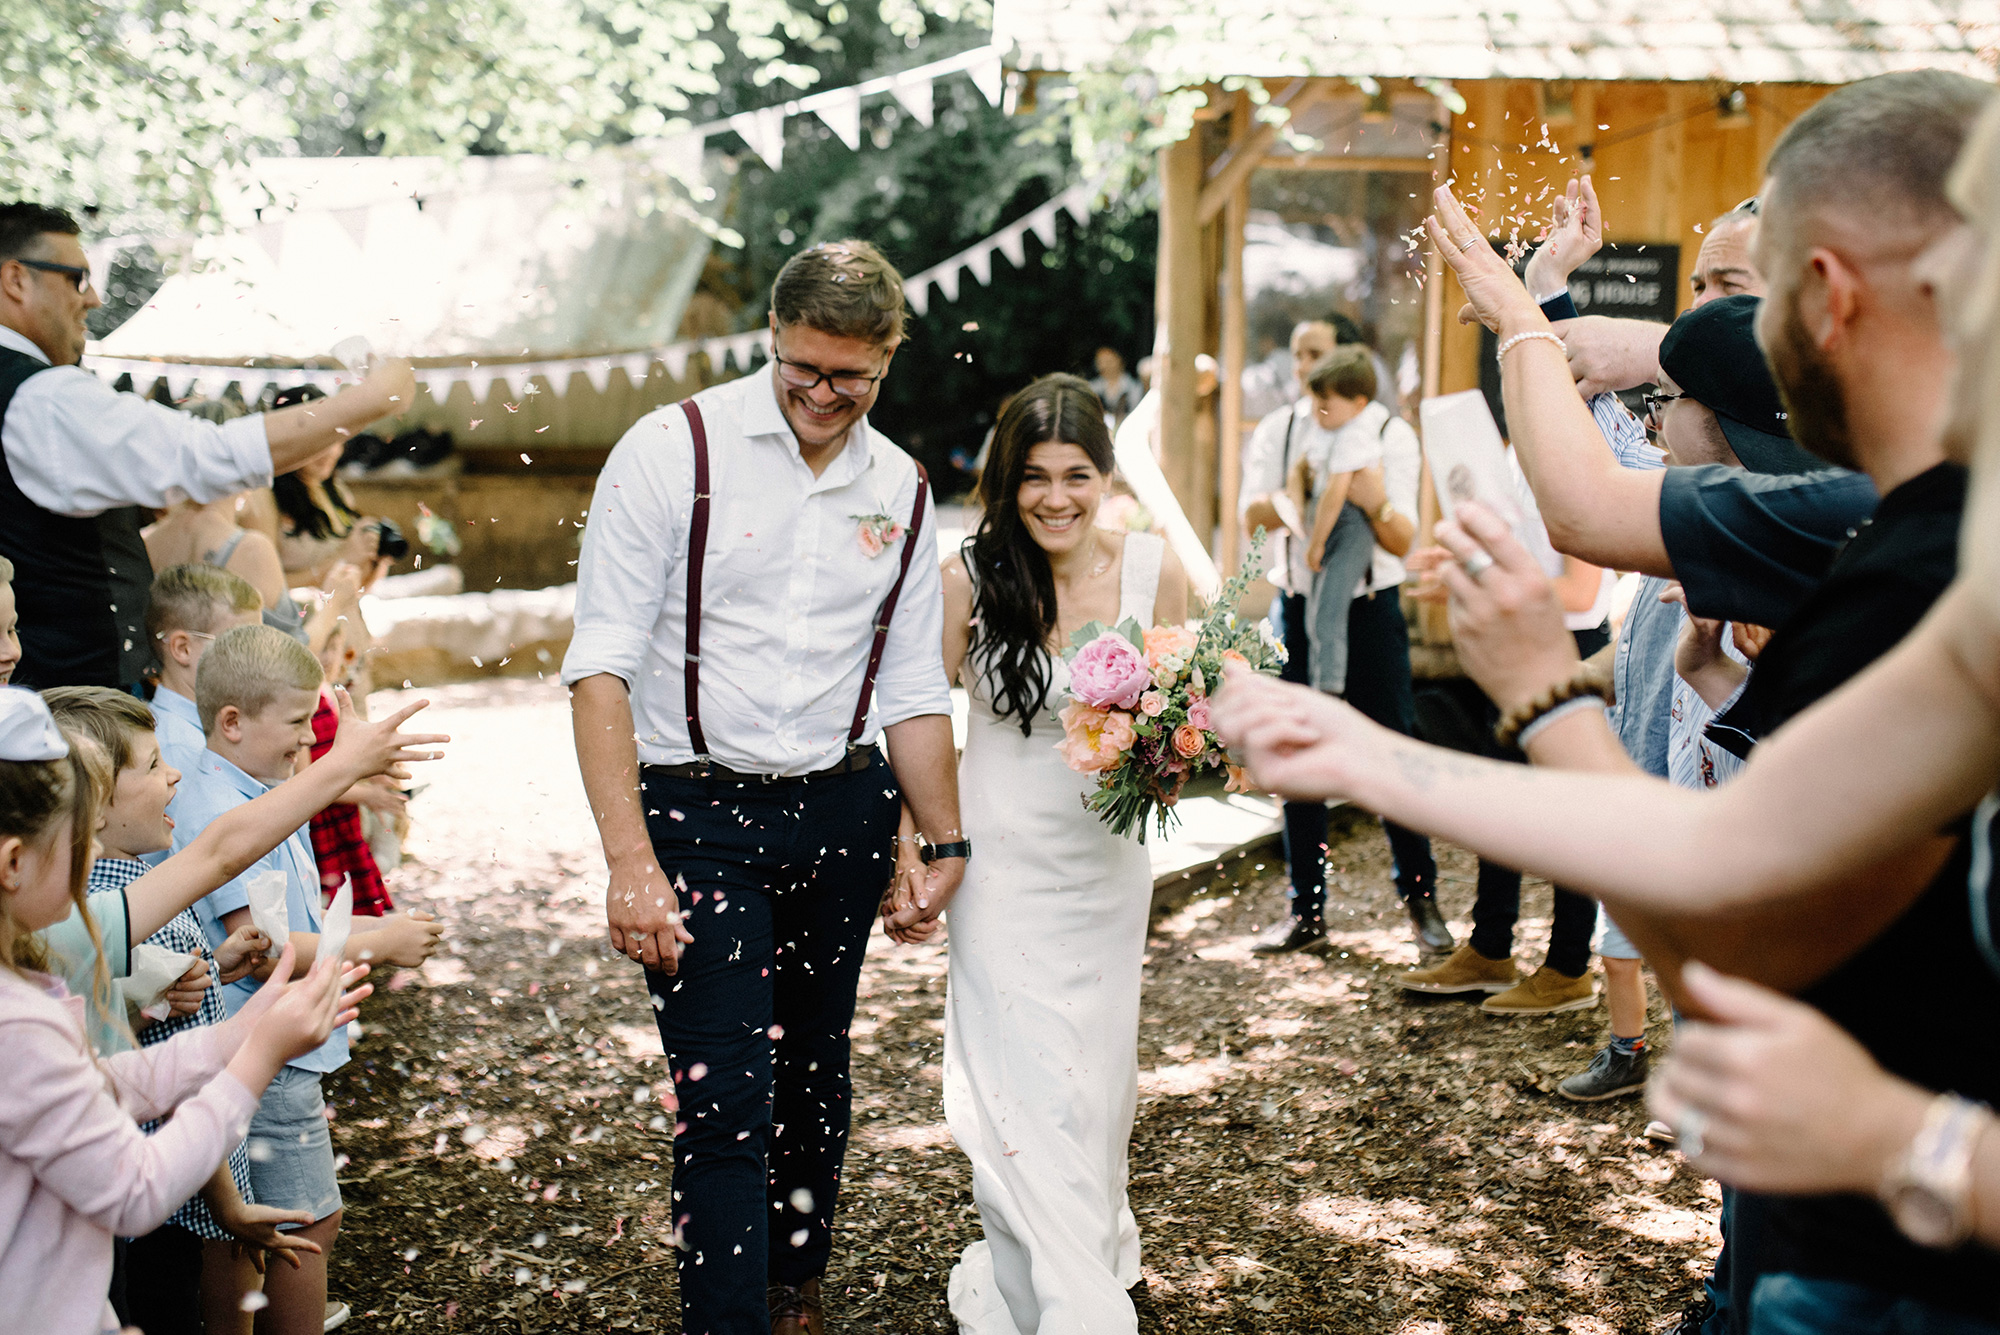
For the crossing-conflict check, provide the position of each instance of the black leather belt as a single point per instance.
(858, 758)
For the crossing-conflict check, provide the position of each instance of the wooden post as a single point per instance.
(1178, 316)
(1235, 346)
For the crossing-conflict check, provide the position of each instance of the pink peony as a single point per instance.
(1108, 672)
(1198, 713)
(1153, 703)
(1094, 739)
(1165, 642)
(1188, 741)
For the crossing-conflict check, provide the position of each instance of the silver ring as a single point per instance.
(1468, 243)
(1687, 1131)
(1477, 564)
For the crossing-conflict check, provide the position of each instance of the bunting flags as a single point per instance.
(742, 351)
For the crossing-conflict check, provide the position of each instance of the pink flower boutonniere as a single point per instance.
(877, 533)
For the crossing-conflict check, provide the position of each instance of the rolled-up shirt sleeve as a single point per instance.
(912, 681)
(629, 544)
(77, 447)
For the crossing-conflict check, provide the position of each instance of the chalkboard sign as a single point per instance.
(1629, 280)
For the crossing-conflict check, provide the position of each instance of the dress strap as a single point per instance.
(1139, 578)
(220, 556)
(697, 553)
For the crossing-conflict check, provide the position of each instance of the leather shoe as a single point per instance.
(796, 1310)
(1433, 937)
(1291, 934)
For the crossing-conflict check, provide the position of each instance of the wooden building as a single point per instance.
(1672, 108)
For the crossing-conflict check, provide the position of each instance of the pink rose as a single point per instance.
(1188, 741)
(1094, 739)
(1108, 672)
(871, 541)
(1164, 642)
(1198, 713)
(1153, 703)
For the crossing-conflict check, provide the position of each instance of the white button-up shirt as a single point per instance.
(1291, 434)
(789, 594)
(77, 447)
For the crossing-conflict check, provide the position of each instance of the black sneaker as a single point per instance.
(1292, 934)
(1611, 1075)
(1433, 937)
(1693, 1317)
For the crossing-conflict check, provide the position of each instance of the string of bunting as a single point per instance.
(743, 350)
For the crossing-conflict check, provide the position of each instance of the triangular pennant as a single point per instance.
(638, 368)
(915, 97)
(917, 292)
(841, 110)
(252, 384)
(1077, 200)
(980, 261)
(436, 382)
(1043, 223)
(180, 380)
(480, 381)
(354, 222)
(1013, 244)
(598, 373)
(675, 356)
(764, 131)
(988, 77)
(947, 280)
(744, 348)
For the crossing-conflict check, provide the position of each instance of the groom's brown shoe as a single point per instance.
(796, 1311)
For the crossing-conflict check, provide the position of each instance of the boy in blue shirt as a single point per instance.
(256, 690)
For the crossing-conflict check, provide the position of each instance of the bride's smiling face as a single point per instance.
(1060, 492)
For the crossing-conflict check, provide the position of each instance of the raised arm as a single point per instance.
(1595, 510)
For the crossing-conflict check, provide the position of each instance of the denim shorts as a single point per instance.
(291, 1150)
(1612, 943)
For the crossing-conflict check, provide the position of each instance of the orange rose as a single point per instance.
(1188, 741)
(1165, 642)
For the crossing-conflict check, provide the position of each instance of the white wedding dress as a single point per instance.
(1042, 1022)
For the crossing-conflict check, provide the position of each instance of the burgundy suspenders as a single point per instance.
(698, 551)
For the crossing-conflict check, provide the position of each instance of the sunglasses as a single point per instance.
(81, 277)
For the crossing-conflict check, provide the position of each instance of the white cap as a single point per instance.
(27, 730)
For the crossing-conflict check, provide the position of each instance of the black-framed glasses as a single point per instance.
(81, 277)
(844, 383)
(1752, 206)
(1654, 401)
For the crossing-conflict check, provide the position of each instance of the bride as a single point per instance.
(1048, 929)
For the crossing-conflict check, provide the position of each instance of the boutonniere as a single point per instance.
(876, 533)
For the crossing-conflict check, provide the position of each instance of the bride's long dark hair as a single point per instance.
(1014, 591)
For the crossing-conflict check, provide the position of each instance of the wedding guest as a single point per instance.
(10, 624)
(188, 1272)
(1115, 389)
(188, 608)
(256, 690)
(1378, 638)
(75, 1167)
(318, 524)
(752, 617)
(213, 534)
(77, 461)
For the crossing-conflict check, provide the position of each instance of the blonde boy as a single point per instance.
(191, 605)
(256, 689)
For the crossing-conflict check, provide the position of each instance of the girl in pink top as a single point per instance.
(74, 1167)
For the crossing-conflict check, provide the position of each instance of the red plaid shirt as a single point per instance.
(339, 846)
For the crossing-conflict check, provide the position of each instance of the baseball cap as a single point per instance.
(1712, 354)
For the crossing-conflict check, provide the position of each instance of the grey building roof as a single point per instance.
(1736, 41)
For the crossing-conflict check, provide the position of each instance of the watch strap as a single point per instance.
(1937, 1166)
(959, 848)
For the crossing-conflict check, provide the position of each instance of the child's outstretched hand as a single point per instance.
(241, 952)
(255, 1230)
(288, 1019)
(362, 748)
(407, 939)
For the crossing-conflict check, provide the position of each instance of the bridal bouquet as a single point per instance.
(1138, 711)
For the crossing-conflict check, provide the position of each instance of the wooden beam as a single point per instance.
(1233, 168)
(1178, 315)
(1234, 358)
(1346, 162)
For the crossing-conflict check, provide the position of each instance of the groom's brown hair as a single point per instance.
(843, 288)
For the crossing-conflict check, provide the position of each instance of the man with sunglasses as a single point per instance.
(78, 460)
(758, 604)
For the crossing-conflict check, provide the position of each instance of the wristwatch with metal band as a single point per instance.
(1928, 1191)
(1386, 512)
(960, 848)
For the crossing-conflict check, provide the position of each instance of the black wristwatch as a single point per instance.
(961, 848)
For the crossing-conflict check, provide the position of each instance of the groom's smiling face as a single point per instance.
(821, 415)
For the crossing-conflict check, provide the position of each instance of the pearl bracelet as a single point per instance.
(1501, 354)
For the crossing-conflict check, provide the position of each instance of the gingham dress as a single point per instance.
(182, 933)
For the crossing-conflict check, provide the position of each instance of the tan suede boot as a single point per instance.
(1466, 971)
(1544, 992)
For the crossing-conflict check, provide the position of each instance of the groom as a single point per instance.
(758, 602)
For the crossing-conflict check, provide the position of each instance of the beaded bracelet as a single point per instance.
(1501, 353)
(1580, 683)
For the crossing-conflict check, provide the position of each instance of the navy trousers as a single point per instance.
(782, 885)
(1378, 684)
